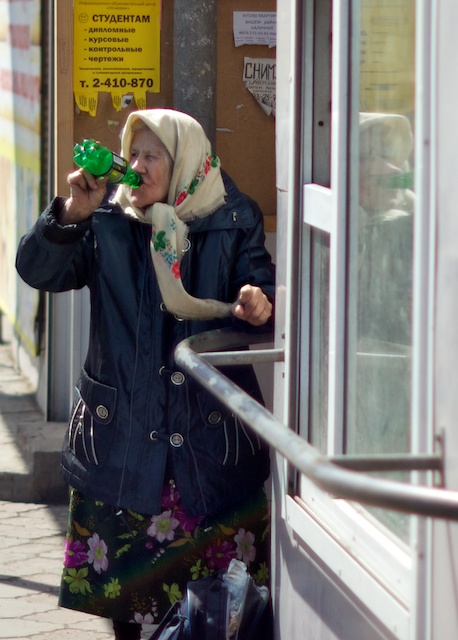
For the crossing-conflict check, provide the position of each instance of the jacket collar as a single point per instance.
(235, 213)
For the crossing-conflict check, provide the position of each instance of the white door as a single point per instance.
(362, 288)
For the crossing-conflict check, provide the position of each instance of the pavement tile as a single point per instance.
(49, 597)
(31, 532)
(10, 509)
(21, 608)
(9, 591)
(18, 628)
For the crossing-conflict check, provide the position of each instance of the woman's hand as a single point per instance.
(86, 195)
(252, 305)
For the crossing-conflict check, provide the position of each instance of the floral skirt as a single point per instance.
(132, 567)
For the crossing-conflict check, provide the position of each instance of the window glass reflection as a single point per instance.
(381, 223)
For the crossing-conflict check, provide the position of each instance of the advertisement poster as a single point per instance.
(20, 129)
(259, 76)
(387, 82)
(255, 27)
(117, 50)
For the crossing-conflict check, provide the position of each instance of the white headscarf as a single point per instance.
(196, 190)
(387, 135)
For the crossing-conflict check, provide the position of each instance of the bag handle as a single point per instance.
(217, 612)
(208, 602)
(166, 624)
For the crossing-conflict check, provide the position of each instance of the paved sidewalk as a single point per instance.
(31, 550)
(32, 531)
(29, 446)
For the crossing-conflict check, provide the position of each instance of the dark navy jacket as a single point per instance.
(136, 420)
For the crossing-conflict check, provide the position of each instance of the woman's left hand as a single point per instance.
(252, 305)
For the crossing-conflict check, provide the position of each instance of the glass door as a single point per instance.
(380, 215)
(358, 202)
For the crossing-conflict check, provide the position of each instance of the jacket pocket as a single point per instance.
(90, 433)
(225, 437)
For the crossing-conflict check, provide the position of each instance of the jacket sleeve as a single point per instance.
(52, 257)
(253, 265)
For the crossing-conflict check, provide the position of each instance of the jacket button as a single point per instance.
(186, 245)
(176, 439)
(214, 417)
(177, 378)
(102, 412)
(162, 307)
(153, 436)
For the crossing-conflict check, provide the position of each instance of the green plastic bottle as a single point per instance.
(399, 180)
(100, 161)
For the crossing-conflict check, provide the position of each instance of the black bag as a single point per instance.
(210, 610)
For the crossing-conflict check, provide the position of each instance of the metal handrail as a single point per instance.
(326, 474)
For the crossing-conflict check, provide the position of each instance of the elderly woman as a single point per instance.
(167, 484)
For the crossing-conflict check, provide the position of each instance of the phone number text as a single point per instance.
(118, 83)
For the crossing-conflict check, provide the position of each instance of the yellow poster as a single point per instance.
(387, 56)
(116, 49)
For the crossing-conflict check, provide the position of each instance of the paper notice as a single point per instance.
(116, 49)
(387, 56)
(255, 27)
(259, 76)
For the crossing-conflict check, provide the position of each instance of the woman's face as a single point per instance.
(151, 160)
